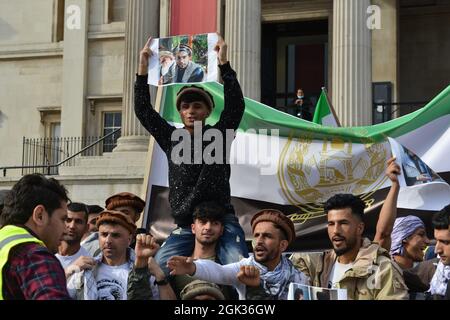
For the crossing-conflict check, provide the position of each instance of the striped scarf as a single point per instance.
(403, 228)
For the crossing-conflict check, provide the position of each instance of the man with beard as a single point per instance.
(356, 264)
(272, 232)
(33, 224)
(71, 254)
(108, 280)
(125, 202)
(184, 70)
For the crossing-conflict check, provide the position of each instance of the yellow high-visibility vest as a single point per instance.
(11, 236)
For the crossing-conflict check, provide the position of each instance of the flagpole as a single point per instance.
(331, 107)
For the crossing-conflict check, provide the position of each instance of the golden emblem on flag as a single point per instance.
(311, 171)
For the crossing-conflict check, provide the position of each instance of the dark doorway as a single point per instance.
(424, 48)
(294, 55)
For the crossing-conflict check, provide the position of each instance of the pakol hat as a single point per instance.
(125, 199)
(116, 217)
(200, 287)
(277, 217)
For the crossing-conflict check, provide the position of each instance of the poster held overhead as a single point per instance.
(183, 59)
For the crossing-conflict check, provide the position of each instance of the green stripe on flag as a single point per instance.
(259, 116)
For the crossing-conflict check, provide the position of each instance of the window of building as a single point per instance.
(295, 55)
(117, 10)
(59, 19)
(47, 149)
(111, 122)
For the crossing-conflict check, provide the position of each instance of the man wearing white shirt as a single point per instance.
(70, 252)
(108, 280)
(272, 232)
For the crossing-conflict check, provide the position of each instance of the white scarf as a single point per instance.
(440, 280)
(84, 281)
(276, 282)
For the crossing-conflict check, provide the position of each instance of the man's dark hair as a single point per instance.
(94, 208)
(441, 219)
(346, 200)
(29, 192)
(209, 211)
(79, 207)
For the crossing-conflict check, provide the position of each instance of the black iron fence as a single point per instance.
(46, 155)
(383, 111)
(47, 151)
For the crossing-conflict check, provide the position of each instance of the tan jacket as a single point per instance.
(372, 277)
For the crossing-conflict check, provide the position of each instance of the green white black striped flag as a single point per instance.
(302, 165)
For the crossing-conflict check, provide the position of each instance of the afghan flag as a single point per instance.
(283, 162)
(324, 113)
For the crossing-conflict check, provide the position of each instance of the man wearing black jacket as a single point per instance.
(191, 183)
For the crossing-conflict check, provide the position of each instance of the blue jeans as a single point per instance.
(231, 247)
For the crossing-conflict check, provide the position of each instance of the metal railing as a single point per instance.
(43, 155)
(383, 111)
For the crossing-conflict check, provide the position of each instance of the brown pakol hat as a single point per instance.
(200, 287)
(116, 217)
(125, 199)
(277, 217)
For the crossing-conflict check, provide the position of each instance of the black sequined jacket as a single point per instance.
(190, 183)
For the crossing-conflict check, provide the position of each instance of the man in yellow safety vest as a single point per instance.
(33, 220)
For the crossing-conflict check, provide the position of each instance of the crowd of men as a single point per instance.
(53, 248)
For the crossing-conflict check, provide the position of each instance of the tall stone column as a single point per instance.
(352, 64)
(142, 21)
(75, 61)
(243, 36)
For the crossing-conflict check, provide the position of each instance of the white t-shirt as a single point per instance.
(337, 273)
(112, 282)
(68, 260)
